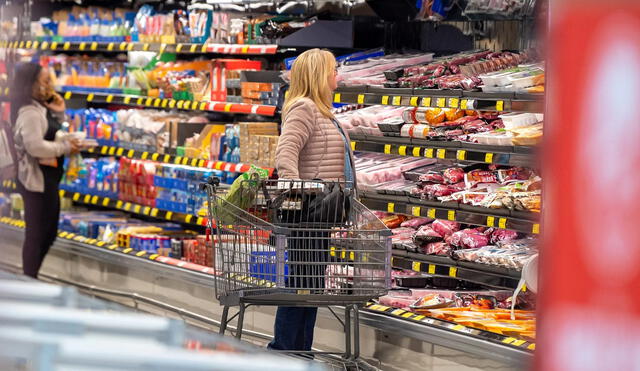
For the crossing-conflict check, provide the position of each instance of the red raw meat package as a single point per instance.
(453, 175)
(433, 177)
(468, 239)
(503, 235)
(426, 234)
(458, 187)
(445, 228)
(514, 173)
(476, 126)
(439, 190)
(437, 248)
(416, 222)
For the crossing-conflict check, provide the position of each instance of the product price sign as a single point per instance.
(593, 58)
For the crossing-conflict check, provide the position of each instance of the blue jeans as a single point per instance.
(293, 329)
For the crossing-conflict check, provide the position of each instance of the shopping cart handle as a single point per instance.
(213, 181)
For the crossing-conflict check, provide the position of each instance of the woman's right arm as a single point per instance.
(296, 130)
(31, 128)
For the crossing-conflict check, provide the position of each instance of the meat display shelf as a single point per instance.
(455, 150)
(167, 103)
(483, 274)
(124, 46)
(173, 159)
(130, 207)
(378, 316)
(503, 102)
(525, 222)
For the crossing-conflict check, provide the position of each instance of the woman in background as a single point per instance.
(312, 145)
(37, 113)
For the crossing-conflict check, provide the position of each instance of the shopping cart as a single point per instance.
(298, 243)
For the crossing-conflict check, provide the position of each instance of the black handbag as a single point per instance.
(331, 206)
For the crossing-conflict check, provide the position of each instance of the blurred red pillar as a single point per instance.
(590, 263)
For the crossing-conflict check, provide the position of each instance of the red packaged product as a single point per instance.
(445, 228)
(393, 221)
(437, 248)
(503, 235)
(453, 175)
(439, 190)
(476, 126)
(432, 177)
(416, 222)
(475, 177)
(426, 234)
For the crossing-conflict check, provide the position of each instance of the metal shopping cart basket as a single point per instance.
(298, 243)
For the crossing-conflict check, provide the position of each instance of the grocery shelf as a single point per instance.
(483, 274)
(174, 159)
(130, 207)
(167, 103)
(387, 319)
(454, 150)
(525, 222)
(511, 102)
(125, 46)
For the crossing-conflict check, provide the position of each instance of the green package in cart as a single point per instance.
(241, 194)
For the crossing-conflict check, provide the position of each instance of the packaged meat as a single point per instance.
(438, 248)
(468, 239)
(494, 138)
(453, 114)
(445, 228)
(475, 177)
(438, 190)
(453, 175)
(402, 230)
(433, 116)
(514, 173)
(415, 223)
(432, 301)
(426, 235)
(475, 301)
(393, 221)
(432, 177)
(476, 126)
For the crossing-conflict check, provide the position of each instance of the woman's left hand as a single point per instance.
(57, 104)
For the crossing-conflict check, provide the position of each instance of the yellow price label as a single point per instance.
(413, 101)
(461, 154)
(535, 229)
(179, 48)
(67, 95)
(502, 223)
(360, 98)
(227, 107)
(458, 328)
(83, 46)
(145, 47)
(491, 221)
(127, 100)
(442, 153)
(416, 266)
(203, 49)
(44, 45)
(415, 210)
(203, 106)
(127, 206)
(90, 97)
(518, 343)
(391, 207)
(397, 312)
(531, 347)
(130, 46)
(154, 156)
(402, 150)
(453, 272)
(509, 340)
(111, 46)
(103, 150)
(172, 103)
(337, 97)
(131, 153)
(136, 209)
(185, 161)
(428, 153)
(154, 212)
(193, 48)
(76, 196)
(353, 145)
(387, 149)
(127, 250)
(396, 100)
(87, 199)
(123, 46)
(105, 201)
(385, 99)
(148, 101)
(454, 102)
(119, 204)
(94, 45)
(419, 317)
(35, 44)
(463, 104)
(166, 159)
(488, 158)
(188, 218)
(431, 213)
(441, 102)
(194, 162)
(94, 200)
(431, 269)
(156, 102)
(407, 315)
(180, 104)
(66, 46)
(201, 163)
(140, 253)
(109, 98)
(451, 215)
(426, 102)
(500, 105)
(416, 151)
(164, 103)
(177, 160)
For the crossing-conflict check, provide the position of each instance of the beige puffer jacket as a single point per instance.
(310, 146)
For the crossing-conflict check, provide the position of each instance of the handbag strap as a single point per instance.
(347, 147)
(10, 142)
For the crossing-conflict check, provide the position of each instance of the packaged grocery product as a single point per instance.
(476, 177)
(502, 235)
(437, 248)
(426, 234)
(393, 221)
(445, 228)
(453, 175)
(415, 223)
(453, 114)
(432, 301)
(527, 135)
(468, 239)
(474, 301)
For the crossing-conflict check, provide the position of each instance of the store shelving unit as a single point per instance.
(408, 97)
(124, 46)
(173, 159)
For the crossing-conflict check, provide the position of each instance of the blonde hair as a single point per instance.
(310, 79)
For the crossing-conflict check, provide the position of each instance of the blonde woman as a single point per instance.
(312, 145)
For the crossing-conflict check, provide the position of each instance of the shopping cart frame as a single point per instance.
(364, 261)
